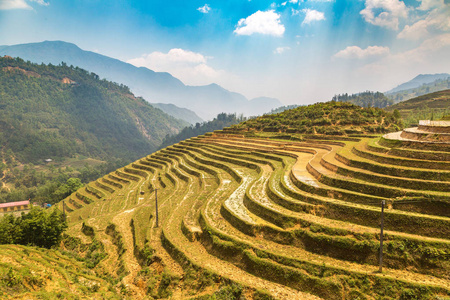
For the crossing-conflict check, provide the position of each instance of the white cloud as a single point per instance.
(19, 4)
(204, 9)
(429, 57)
(385, 13)
(293, 1)
(435, 21)
(175, 55)
(430, 4)
(358, 53)
(13, 4)
(426, 49)
(414, 32)
(41, 2)
(312, 15)
(280, 50)
(263, 22)
(190, 67)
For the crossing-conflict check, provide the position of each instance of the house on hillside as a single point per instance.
(14, 206)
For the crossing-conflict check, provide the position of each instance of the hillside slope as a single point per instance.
(425, 107)
(156, 87)
(244, 214)
(58, 111)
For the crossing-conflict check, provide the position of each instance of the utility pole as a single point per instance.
(156, 206)
(64, 209)
(383, 202)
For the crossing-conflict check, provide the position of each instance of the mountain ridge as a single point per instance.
(418, 81)
(156, 87)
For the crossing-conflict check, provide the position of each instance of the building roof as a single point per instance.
(12, 204)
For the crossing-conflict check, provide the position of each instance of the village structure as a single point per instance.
(11, 207)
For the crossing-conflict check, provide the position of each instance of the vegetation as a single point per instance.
(431, 106)
(222, 120)
(38, 273)
(333, 118)
(39, 227)
(365, 99)
(50, 182)
(436, 86)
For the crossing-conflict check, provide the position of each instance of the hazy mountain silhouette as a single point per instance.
(156, 87)
(418, 81)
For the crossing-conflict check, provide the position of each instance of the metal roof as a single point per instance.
(11, 204)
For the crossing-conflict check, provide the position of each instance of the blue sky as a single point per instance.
(297, 51)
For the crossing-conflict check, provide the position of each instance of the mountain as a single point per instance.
(49, 111)
(418, 81)
(156, 87)
(179, 113)
(426, 88)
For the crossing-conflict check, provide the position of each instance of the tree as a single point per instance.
(72, 184)
(39, 227)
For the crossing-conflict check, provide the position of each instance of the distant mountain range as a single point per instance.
(426, 88)
(418, 81)
(156, 87)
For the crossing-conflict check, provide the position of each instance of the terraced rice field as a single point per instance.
(288, 220)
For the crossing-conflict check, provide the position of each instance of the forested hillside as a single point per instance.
(49, 111)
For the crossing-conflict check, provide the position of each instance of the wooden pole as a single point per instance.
(156, 206)
(381, 235)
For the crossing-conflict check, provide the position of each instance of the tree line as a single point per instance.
(365, 99)
(39, 227)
